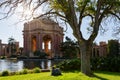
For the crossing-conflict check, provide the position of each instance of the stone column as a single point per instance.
(37, 41)
(40, 42)
(29, 43)
(46, 46)
(52, 46)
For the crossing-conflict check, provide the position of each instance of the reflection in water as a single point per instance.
(32, 63)
(19, 65)
(11, 65)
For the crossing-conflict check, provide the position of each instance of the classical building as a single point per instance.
(42, 35)
(5, 49)
(99, 50)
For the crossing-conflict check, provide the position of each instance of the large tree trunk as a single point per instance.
(85, 58)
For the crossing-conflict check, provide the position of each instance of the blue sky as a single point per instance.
(9, 28)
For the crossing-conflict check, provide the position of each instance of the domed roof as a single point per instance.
(43, 24)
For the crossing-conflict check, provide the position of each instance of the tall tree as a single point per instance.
(69, 48)
(11, 46)
(113, 48)
(74, 12)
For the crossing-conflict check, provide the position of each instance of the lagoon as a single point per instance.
(18, 65)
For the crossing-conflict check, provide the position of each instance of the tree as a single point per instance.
(113, 48)
(69, 48)
(11, 46)
(20, 50)
(74, 12)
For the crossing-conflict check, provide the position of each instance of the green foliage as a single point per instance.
(3, 57)
(40, 54)
(111, 61)
(36, 70)
(106, 64)
(24, 71)
(69, 65)
(69, 48)
(59, 5)
(11, 46)
(5, 73)
(113, 48)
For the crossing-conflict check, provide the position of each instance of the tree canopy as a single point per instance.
(69, 48)
(113, 48)
(11, 46)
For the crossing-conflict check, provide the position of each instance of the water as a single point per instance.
(18, 65)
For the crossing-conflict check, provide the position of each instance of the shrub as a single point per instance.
(40, 54)
(13, 73)
(30, 71)
(5, 73)
(3, 57)
(36, 70)
(106, 64)
(68, 65)
(24, 71)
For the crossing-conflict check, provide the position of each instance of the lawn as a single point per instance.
(64, 76)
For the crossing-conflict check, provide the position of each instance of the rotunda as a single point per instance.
(43, 35)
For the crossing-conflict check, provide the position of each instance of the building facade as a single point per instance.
(5, 49)
(99, 50)
(42, 35)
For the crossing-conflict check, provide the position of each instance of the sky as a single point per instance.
(9, 28)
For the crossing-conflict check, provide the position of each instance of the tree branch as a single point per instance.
(81, 14)
(55, 13)
(96, 25)
(39, 4)
(114, 14)
(89, 16)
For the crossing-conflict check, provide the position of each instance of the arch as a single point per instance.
(43, 35)
(34, 43)
(46, 46)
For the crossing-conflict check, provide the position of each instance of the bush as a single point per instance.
(106, 64)
(30, 71)
(68, 65)
(41, 55)
(5, 73)
(24, 71)
(36, 70)
(3, 57)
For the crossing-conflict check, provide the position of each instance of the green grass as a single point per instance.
(64, 76)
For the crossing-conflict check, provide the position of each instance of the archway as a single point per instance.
(34, 44)
(46, 46)
(42, 34)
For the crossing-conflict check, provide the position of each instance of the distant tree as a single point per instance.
(113, 48)
(69, 48)
(73, 12)
(11, 46)
(21, 50)
(95, 44)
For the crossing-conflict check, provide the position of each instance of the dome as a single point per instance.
(42, 24)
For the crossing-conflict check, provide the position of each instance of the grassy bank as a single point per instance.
(64, 76)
